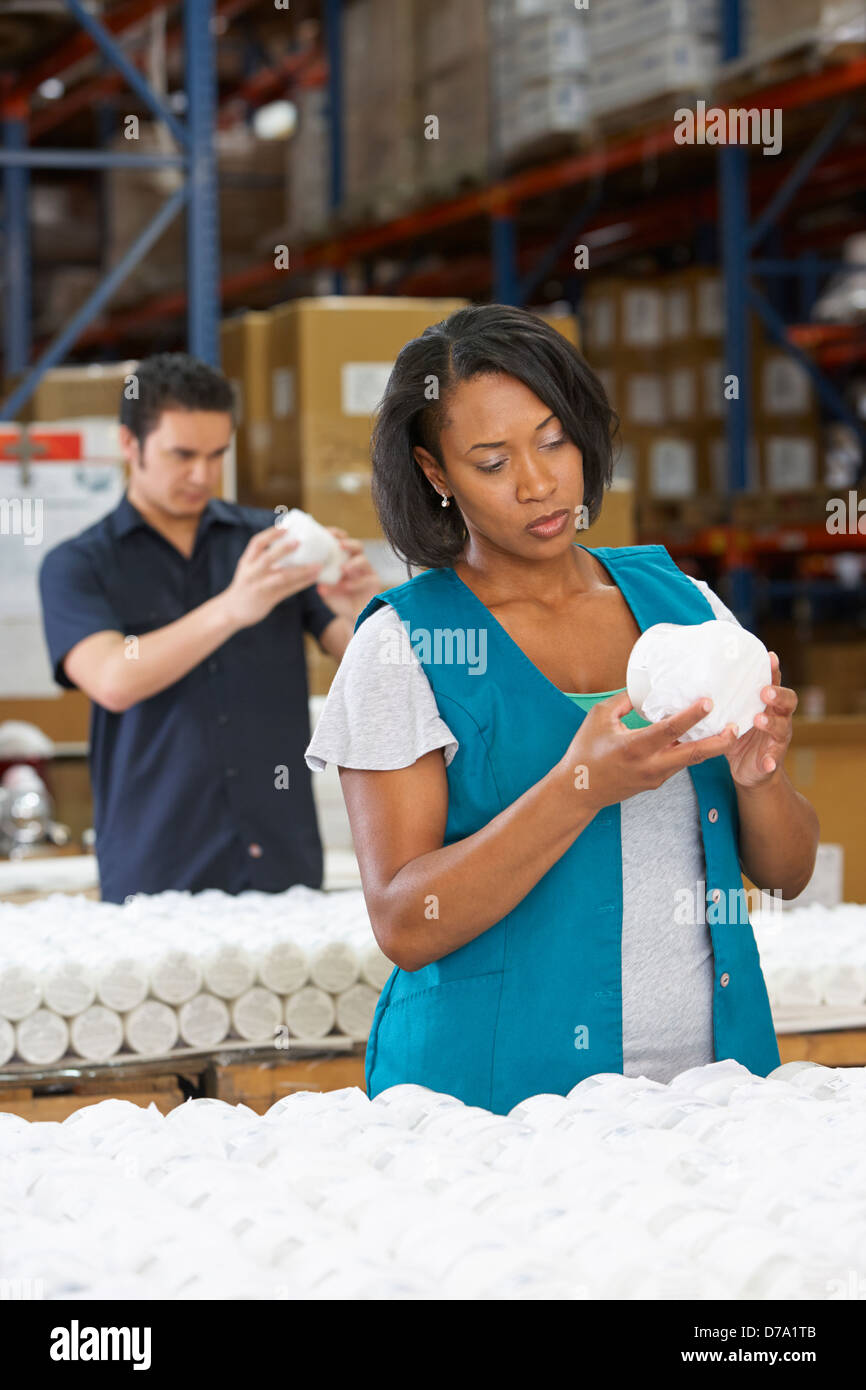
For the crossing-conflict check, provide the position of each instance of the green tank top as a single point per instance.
(586, 701)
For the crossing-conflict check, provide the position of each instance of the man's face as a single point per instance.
(180, 465)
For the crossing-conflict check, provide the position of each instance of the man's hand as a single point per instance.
(258, 584)
(757, 757)
(358, 580)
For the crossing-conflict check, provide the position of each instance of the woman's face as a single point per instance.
(508, 465)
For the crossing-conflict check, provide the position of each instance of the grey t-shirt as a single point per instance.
(383, 715)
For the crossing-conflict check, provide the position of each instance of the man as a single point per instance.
(171, 616)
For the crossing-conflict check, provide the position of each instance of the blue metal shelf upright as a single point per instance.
(198, 193)
(739, 239)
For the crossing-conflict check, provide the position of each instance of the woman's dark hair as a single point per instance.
(476, 341)
(172, 380)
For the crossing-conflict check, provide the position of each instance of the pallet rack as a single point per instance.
(510, 254)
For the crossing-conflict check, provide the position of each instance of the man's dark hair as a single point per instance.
(476, 341)
(172, 381)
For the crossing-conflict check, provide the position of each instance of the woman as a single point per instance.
(522, 844)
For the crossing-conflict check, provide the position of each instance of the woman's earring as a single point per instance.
(446, 501)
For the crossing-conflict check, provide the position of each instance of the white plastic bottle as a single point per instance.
(42, 1038)
(354, 1009)
(229, 970)
(283, 966)
(151, 1028)
(7, 1041)
(310, 1013)
(257, 1015)
(69, 987)
(97, 1033)
(334, 966)
(376, 968)
(175, 977)
(122, 983)
(204, 1021)
(20, 990)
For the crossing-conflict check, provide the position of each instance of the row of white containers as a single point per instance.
(180, 969)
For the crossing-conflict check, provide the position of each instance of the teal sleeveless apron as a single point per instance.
(534, 1004)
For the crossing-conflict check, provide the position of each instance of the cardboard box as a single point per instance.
(716, 453)
(665, 63)
(622, 23)
(449, 33)
(328, 362)
(566, 324)
(616, 523)
(644, 401)
(839, 670)
(69, 393)
(244, 343)
(783, 394)
(461, 105)
(789, 462)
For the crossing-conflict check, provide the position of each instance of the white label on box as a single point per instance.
(786, 387)
(642, 318)
(711, 308)
(282, 392)
(790, 463)
(645, 398)
(682, 393)
(714, 388)
(673, 470)
(260, 435)
(363, 386)
(678, 312)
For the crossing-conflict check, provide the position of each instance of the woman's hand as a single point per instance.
(609, 762)
(358, 580)
(757, 756)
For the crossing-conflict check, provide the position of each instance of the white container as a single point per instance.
(7, 1041)
(229, 970)
(376, 968)
(42, 1038)
(97, 1033)
(175, 977)
(122, 984)
(204, 1021)
(20, 991)
(310, 1013)
(317, 546)
(257, 1015)
(672, 665)
(334, 966)
(151, 1028)
(283, 967)
(355, 1008)
(69, 988)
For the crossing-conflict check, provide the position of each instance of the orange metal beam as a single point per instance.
(72, 50)
(339, 250)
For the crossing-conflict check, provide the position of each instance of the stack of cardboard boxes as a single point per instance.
(641, 52)
(539, 60)
(309, 375)
(379, 128)
(658, 345)
(252, 208)
(451, 97)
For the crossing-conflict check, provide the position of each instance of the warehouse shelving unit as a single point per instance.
(501, 238)
(197, 193)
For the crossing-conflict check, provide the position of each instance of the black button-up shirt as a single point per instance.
(204, 785)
